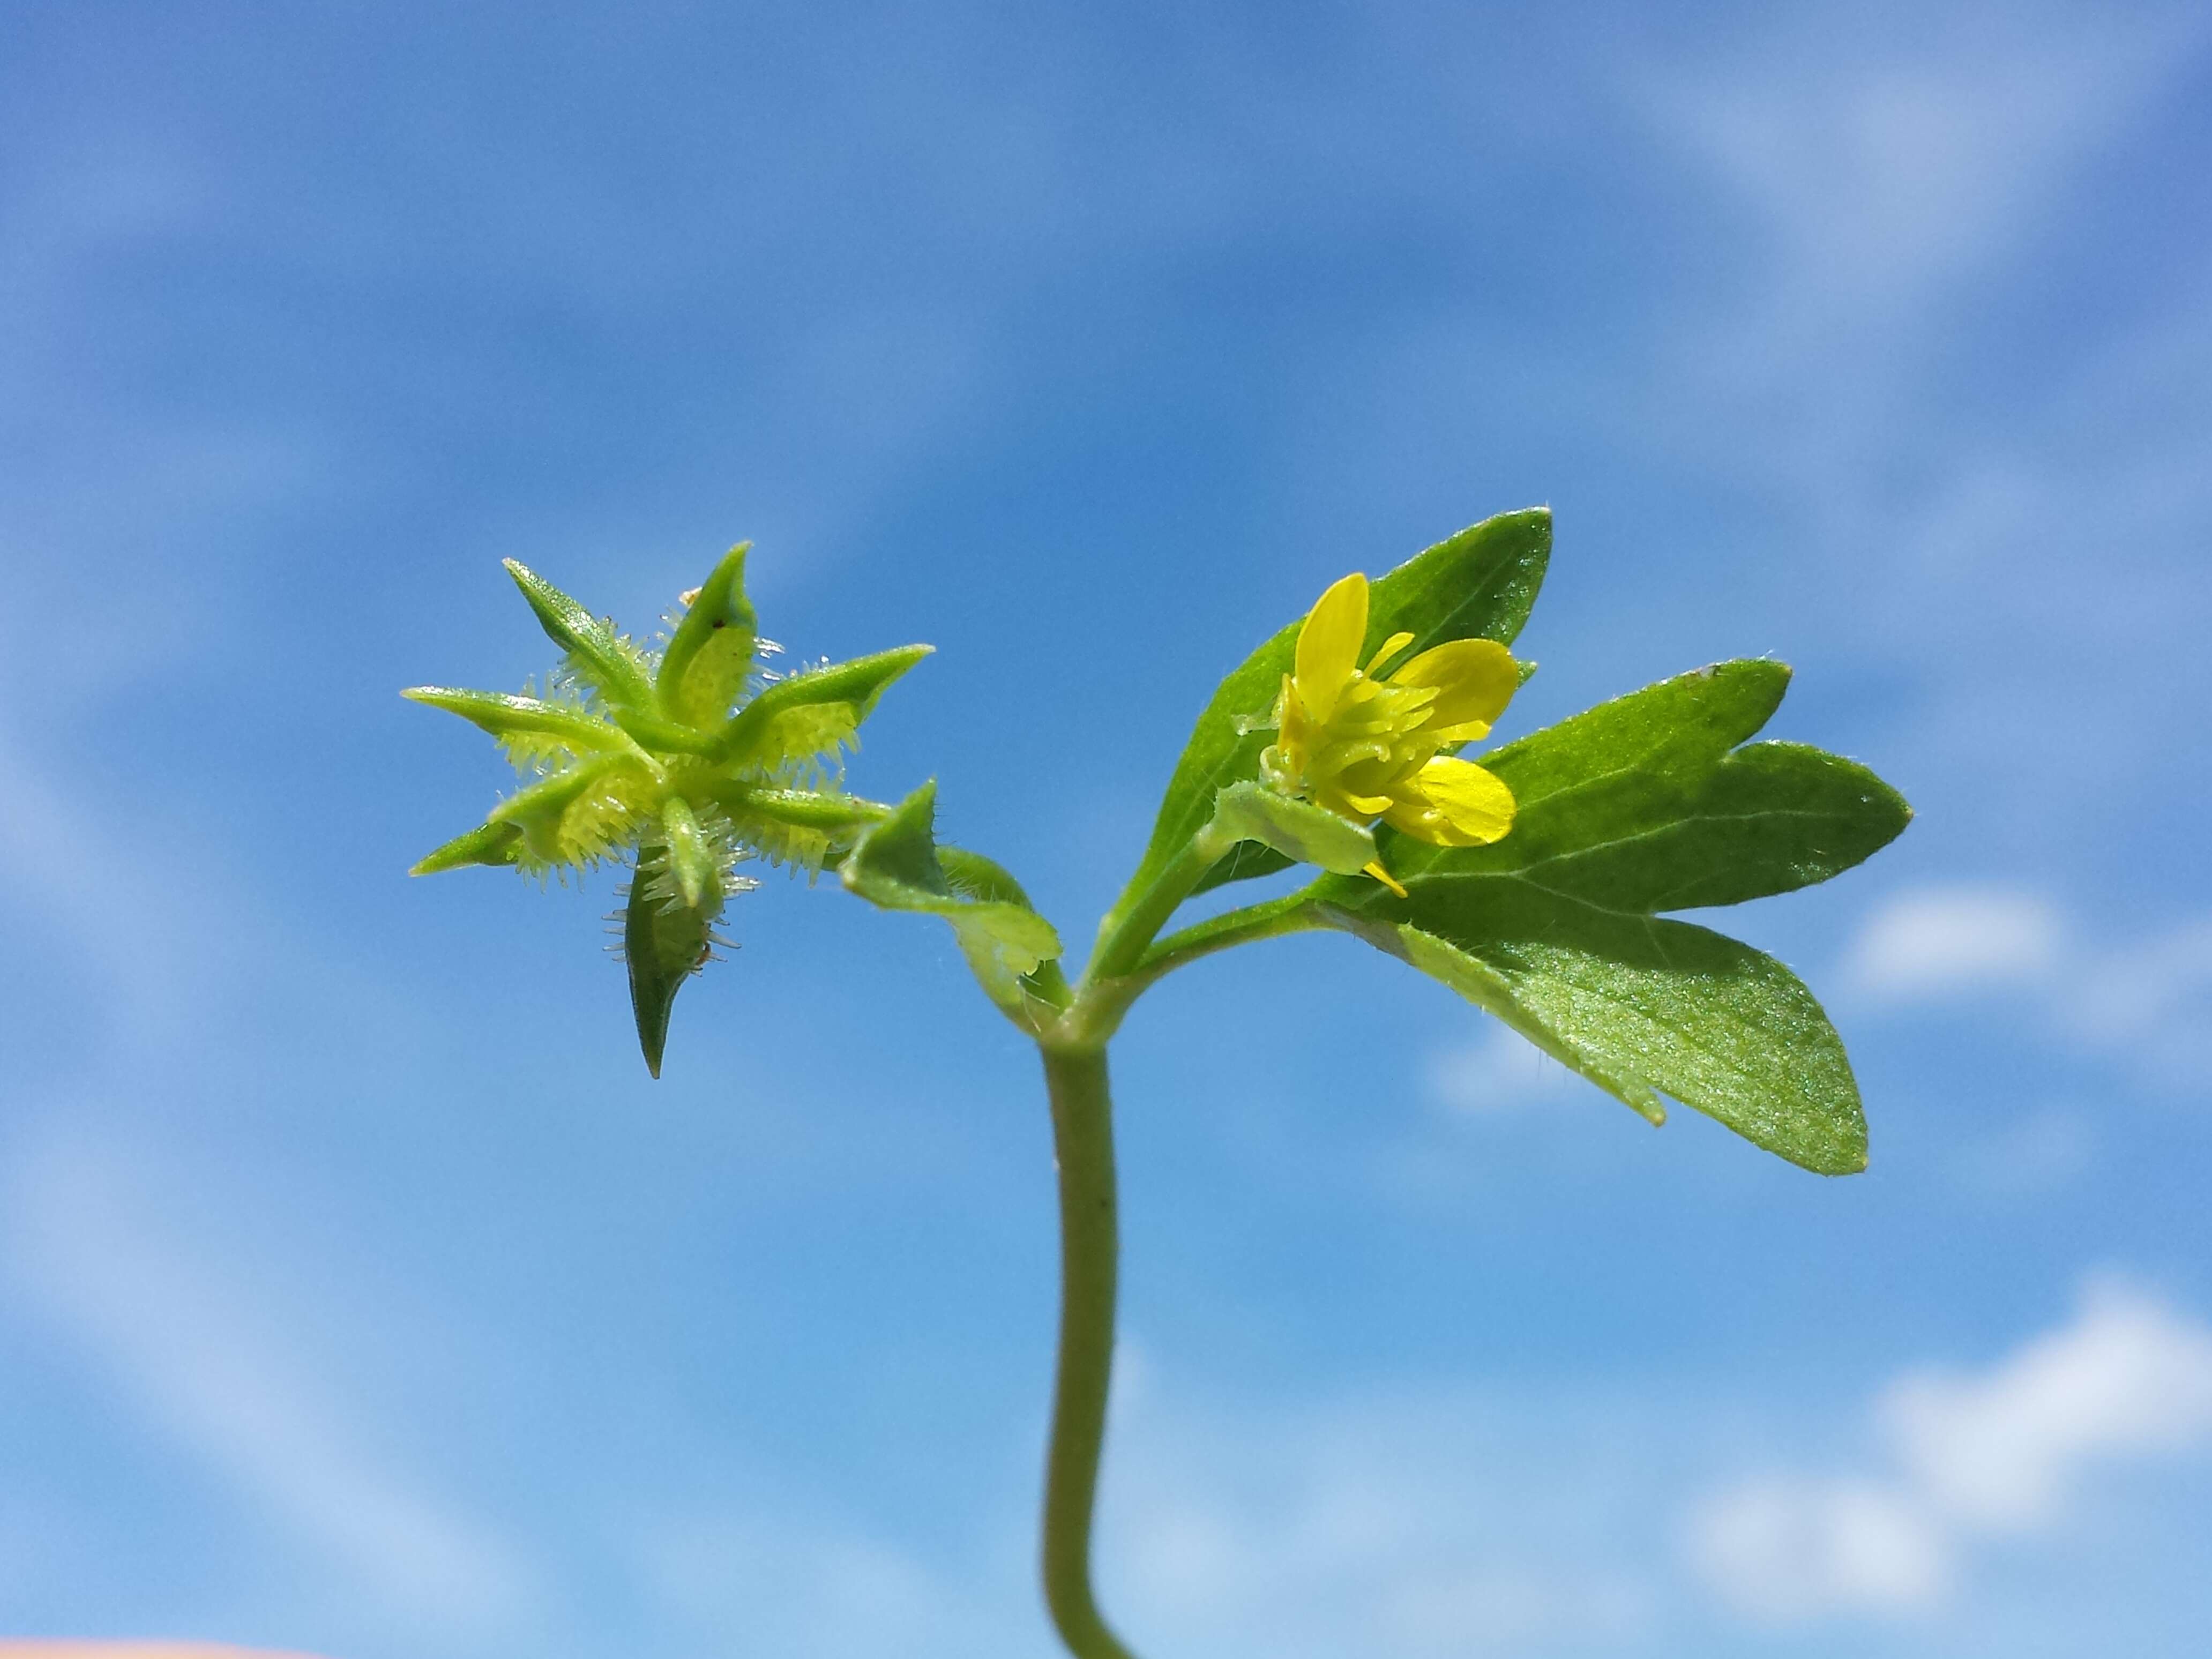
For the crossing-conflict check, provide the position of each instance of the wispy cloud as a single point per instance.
(1498, 1071)
(187, 1348)
(1943, 942)
(754, 1582)
(1403, 1523)
(1788, 1548)
(2147, 1001)
(1884, 163)
(1964, 1455)
(2007, 1449)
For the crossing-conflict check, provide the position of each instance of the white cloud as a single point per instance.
(1785, 1549)
(2152, 1000)
(1967, 1455)
(2149, 1001)
(1409, 1524)
(2038, 1154)
(744, 1584)
(1497, 1072)
(1884, 168)
(172, 1337)
(1942, 942)
(2005, 1449)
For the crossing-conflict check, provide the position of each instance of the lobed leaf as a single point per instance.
(1640, 1006)
(1642, 805)
(1646, 803)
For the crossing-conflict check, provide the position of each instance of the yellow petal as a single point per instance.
(1475, 680)
(1475, 805)
(1453, 803)
(1329, 645)
(1365, 807)
(1290, 717)
(1390, 648)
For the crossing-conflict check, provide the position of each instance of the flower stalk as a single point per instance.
(1083, 1145)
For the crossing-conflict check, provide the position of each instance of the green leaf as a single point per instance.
(666, 939)
(711, 653)
(1479, 584)
(811, 713)
(1646, 803)
(1298, 831)
(599, 656)
(1642, 805)
(1639, 1005)
(896, 864)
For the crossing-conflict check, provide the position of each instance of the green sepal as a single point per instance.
(1478, 584)
(507, 716)
(810, 713)
(895, 863)
(578, 815)
(664, 737)
(1296, 830)
(805, 828)
(487, 843)
(693, 862)
(711, 653)
(665, 940)
(601, 658)
(807, 809)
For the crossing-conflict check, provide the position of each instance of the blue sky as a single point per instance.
(360, 1294)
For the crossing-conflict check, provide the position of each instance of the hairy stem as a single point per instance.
(1083, 1137)
(1132, 923)
(1291, 913)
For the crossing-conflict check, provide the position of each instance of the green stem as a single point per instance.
(1291, 913)
(1083, 1137)
(1133, 922)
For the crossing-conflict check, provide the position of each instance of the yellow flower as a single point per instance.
(1368, 747)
